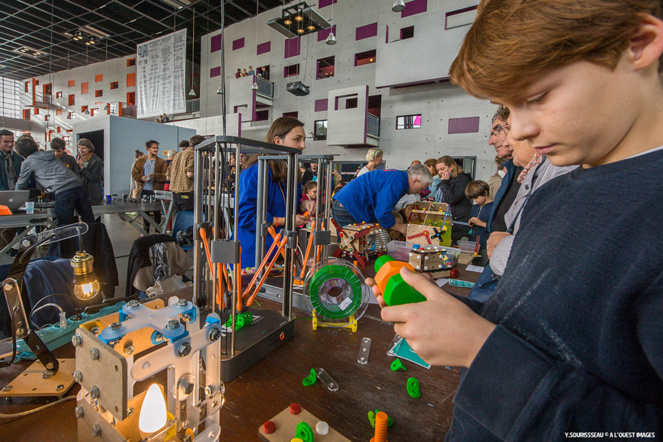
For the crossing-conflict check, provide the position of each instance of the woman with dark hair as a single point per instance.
(91, 171)
(286, 131)
(451, 190)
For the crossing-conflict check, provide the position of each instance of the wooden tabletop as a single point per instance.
(272, 384)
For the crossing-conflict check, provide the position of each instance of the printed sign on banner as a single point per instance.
(160, 74)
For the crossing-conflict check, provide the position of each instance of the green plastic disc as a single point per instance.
(335, 292)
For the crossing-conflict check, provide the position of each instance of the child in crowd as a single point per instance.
(570, 342)
(478, 191)
(310, 191)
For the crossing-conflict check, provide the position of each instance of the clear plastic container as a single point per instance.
(448, 258)
(399, 250)
(466, 246)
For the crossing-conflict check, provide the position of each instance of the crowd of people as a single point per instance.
(261, 72)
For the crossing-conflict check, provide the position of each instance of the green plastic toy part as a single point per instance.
(304, 432)
(243, 320)
(413, 387)
(312, 379)
(398, 365)
(371, 419)
(395, 291)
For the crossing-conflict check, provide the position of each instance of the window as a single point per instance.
(10, 92)
(290, 71)
(95, 112)
(290, 114)
(367, 57)
(84, 109)
(262, 115)
(71, 115)
(99, 93)
(131, 62)
(46, 117)
(325, 68)
(84, 88)
(26, 114)
(27, 87)
(320, 132)
(408, 122)
(347, 102)
(98, 78)
(48, 89)
(131, 98)
(114, 85)
(58, 94)
(72, 99)
(112, 108)
(407, 33)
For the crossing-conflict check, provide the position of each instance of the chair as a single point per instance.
(183, 220)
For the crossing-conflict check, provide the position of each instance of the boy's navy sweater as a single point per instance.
(579, 313)
(483, 213)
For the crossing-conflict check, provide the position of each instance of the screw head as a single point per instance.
(94, 392)
(20, 332)
(59, 387)
(94, 353)
(8, 388)
(128, 350)
(130, 411)
(173, 324)
(76, 340)
(209, 390)
(115, 325)
(78, 376)
(186, 318)
(49, 366)
(182, 302)
(184, 349)
(214, 334)
(78, 412)
(133, 304)
(96, 430)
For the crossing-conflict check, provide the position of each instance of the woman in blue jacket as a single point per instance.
(286, 131)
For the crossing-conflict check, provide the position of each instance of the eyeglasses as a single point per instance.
(499, 129)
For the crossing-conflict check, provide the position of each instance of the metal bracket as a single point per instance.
(226, 252)
(322, 237)
(292, 239)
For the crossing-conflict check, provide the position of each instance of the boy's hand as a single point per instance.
(442, 330)
(472, 221)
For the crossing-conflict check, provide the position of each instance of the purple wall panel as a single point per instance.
(414, 7)
(292, 47)
(238, 44)
(366, 31)
(215, 72)
(464, 125)
(324, 33)
(215, 43)
(321, 105)
(323, 3)
(264, 47)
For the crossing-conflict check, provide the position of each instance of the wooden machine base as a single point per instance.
(32, 383)
(286, 428)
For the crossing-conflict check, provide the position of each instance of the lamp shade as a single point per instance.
(399, 5)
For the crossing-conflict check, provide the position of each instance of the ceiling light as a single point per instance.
(87, 111)
(300, 31)
(287, 22)
(106, 107)
(299, 17)
(300, 14)
(219, 91)
(399, 5)
(254, 86)
(30, 52)
(310, 28)
(192, 93)
(331, 40)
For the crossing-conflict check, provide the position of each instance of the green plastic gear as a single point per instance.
(335, 272)
(304, 432)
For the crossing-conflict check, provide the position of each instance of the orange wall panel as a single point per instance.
(84, 88)
(131, 79)
(99, 77)
(71, 83)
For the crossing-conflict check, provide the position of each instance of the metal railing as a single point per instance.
(193, 105)
(265, 87)
(372, 125)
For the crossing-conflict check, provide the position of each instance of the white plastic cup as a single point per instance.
(30, 207)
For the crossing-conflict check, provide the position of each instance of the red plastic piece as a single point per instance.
(269, 427)
(454, 273)
(295, 408)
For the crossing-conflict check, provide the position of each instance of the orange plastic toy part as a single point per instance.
(387, 269)
(381, 423)
(4, 210)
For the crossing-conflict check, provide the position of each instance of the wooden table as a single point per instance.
(272, 384)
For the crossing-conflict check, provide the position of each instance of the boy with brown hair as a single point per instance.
(570, 342)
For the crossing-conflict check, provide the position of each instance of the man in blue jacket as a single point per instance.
(372, 196)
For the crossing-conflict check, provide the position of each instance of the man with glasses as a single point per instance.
(10, 164)
(151, 171)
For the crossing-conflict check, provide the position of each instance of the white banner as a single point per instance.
(160, 70)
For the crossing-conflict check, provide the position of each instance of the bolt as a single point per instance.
(49, 366)
(20, 332)
(186, 318)
(182, 303)
(94, 353)
(172, 324)
(187, 387)
(209, 390)
(96, 430)
(184, 349)
(94, 392)
(133, 304)
(59, 387)
(78, 376)
(159, 337)
(76, 340)
(8, 286)
(214, 334)
(128, 350)
(130, 411)
(215, 404)
(115, 325)
(78, 411)
(7, 388)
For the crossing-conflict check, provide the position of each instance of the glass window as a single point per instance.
(325, 68)
(367, 57)
(408, 122)
(320, 130)
(10, 91)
